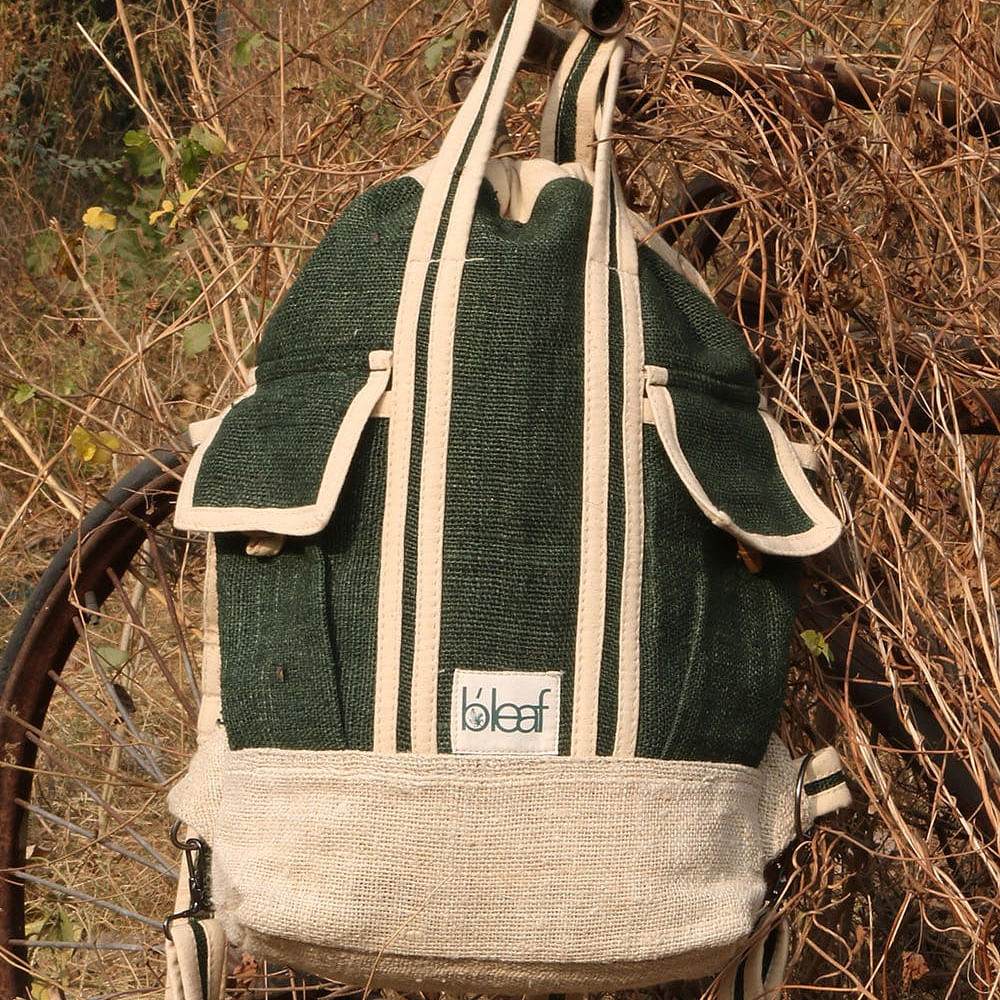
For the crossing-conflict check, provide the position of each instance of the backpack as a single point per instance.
(488, 690)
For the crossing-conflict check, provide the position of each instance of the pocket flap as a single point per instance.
(739, 468)
(278, 457)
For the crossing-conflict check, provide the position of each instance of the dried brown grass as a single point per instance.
(875, 233)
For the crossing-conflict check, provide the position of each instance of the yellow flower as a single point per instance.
(165, 209)
(98, 218)
(96, 448)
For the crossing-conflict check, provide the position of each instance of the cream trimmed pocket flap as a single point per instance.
(277, 458)
(739, 467)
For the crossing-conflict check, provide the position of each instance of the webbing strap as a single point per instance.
(568, 122)
(196, 959)
(823, 787)
(195, 951)
(761, 972)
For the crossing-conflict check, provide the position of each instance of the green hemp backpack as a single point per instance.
(488, 692)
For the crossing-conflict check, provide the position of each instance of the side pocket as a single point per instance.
(739, 468)
(719, 474)
(267, 480)
(280, 680)
(277, 459)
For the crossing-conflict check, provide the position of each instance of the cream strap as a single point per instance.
(195, 944)
(759, 974)
(592, 594)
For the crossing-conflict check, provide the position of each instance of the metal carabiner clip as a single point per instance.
(195, 850)
(778, 872)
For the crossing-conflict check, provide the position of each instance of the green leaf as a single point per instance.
(212, 143)
(192, 155)
(66, 928)
(436, 50)
(112, 657)
(130, 249)
(23, 392)
(817, 645)
(245, 48)
(141, 153)
(41, 253)
(240, 223)
(197, 339)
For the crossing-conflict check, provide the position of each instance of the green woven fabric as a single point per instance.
(714, 637)
(512, 529)
(272, 447)
(296, 629)
(738, 471)
(685, 333)
(299, 630)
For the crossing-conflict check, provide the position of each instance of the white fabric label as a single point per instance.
(505, 712)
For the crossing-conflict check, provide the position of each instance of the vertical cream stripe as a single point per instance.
(390, 604)
(627, 729)
(596, 443)
(430, 533)
(437, 413)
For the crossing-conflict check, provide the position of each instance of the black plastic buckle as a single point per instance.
(195, 851)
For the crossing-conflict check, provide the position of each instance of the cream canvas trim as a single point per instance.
(390, 595)
(633, 385)
(592, 601)
(306, 519)
(383, 408)
(824, 764)
(826, 527)
(518, 183)
(350, 855)
(588, 98)
(806, 455)
(201, 430)
(199, 793)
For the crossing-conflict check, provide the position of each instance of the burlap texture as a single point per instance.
(499, 874)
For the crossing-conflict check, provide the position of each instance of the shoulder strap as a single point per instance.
(574, 98)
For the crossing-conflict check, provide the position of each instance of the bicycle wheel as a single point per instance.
(99, 688)
(98, 697)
